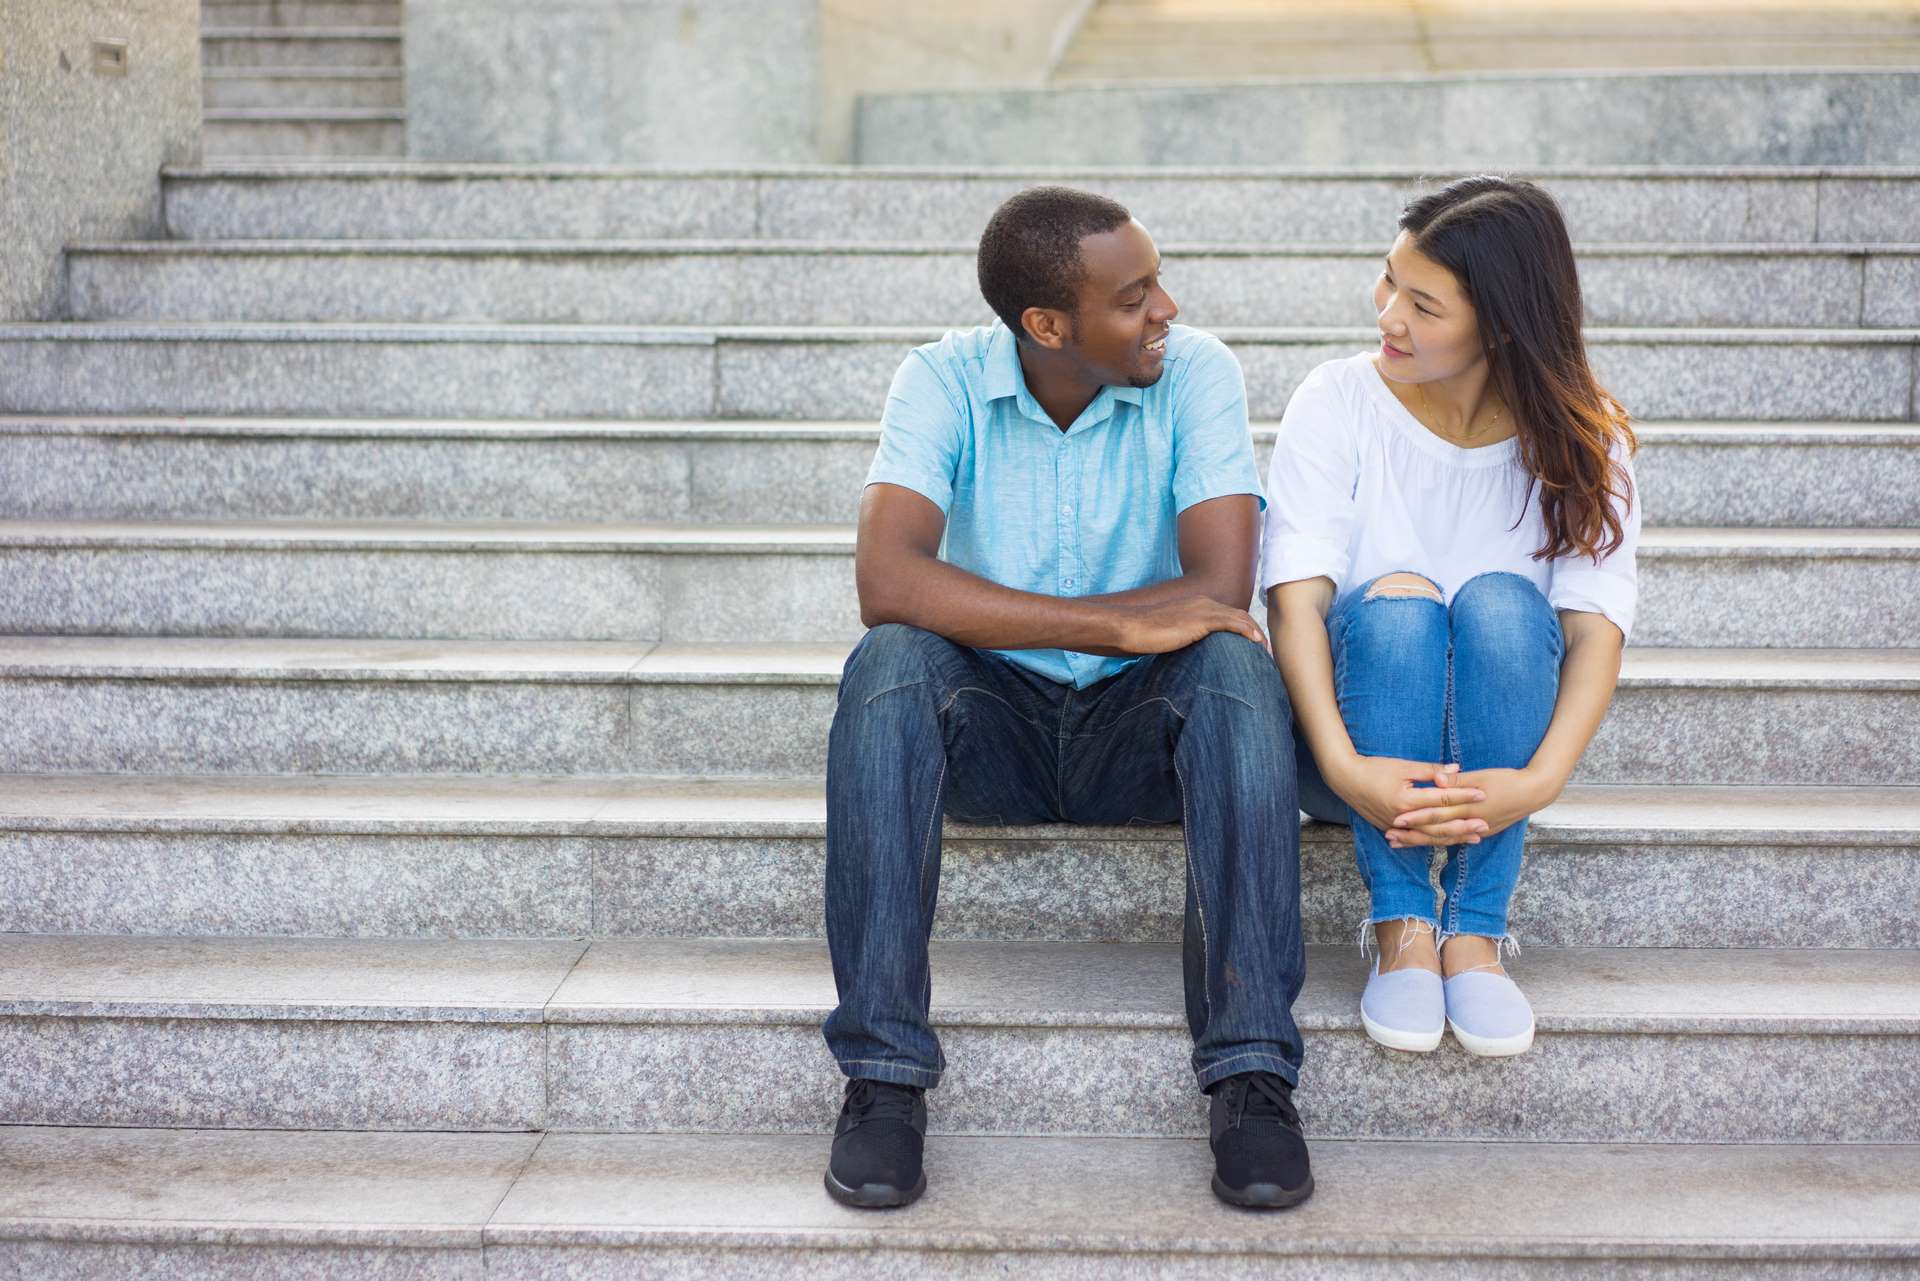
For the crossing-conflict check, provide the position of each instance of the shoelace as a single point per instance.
(1262, 1096)
(869, 1100)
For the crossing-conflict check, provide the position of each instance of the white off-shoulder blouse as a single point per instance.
(1358, 487)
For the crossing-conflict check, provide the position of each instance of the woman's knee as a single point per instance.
(1396, 616)
(1503, 612)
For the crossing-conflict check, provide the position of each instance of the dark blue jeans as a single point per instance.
(1202, 736)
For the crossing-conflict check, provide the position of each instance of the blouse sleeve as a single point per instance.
(1310, 487)
(1611, 587)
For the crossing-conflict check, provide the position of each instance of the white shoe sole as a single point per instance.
(1399, 1039)
(1492, 1047)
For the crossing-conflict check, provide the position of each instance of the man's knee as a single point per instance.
(890, 656)
(1228, 663)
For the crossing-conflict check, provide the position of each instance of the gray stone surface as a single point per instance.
(614, 81)
(272, 1074)
(80, 152)
(1113, 1193)
(157, 706)
(377, 133)
(634, 857)
(321, 87)
(758, 584)
(325, 369)
(641, 1028)
(281, 47)
(301, 13)
(1712, 206)
(411, 1185)
(54, 467)
(313, 726)
(1618, 118)
(743, 283)
(605, 1205)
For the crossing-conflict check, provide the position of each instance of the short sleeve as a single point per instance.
(1310, 484)
(1212, 440)
(920, 433)
(1611, 587)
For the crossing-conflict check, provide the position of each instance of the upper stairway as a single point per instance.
(1213, 41)
(303, 78)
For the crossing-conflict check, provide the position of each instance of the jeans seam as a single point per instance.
(893, 689)
(933, 819)
(1107, 727)
(958, 690)
(1199, 904)
(893, 1063)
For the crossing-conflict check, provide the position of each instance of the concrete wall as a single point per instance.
(81, 150)
(698, 82)
(673, 82)
(876, 46)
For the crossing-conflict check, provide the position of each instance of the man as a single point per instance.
(1057, 546)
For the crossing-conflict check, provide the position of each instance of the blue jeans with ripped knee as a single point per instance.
(1203, 735)
(1472, 682)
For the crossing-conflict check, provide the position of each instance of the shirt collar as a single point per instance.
(1004, 378)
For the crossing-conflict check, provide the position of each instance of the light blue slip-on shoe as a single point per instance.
(1404, 1009)
(1488, 1014)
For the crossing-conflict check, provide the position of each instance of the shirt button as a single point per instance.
(1067, 510)
(1068, 582)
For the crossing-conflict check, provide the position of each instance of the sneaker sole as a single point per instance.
(874, 1196)
(1395, 1039)
(1263, 1196)
(1492, 1047)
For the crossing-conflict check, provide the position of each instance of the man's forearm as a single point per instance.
(970, 610)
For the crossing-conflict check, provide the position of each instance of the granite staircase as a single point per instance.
(303, 78)
(425, 592)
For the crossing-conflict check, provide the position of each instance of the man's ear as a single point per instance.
(1048, 327)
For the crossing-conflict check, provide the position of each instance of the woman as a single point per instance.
(1449, 566)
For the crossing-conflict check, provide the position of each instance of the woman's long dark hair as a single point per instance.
(1506, 243)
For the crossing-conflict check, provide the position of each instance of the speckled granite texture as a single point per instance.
(1080, 1207)
(748, 722)
(246, 1073)
(606, 473)
(496, 371)
(59, 109)
(266, 581)
(1735, 206)
(1607, 118)
(561, 284)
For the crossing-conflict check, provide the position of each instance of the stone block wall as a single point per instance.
(82, 140)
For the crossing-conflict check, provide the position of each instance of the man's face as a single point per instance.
(1120, 332)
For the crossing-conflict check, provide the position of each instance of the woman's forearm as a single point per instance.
(1588, 674)
(1296, 621)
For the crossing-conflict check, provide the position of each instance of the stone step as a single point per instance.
(305, 131)
(94, 1202)
(1210, 43)
(1644, 1045)
(1348, 206)
(1704, 117)
(734, 584)
(159, 705)
(63, 468)
(278, 47)
(546, 857)
(603, 371)
(300, 13)
(333, 87)
(788, 283)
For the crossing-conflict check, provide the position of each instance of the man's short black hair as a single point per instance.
(1030, 251)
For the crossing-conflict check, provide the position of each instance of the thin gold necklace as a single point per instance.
(1428, 406)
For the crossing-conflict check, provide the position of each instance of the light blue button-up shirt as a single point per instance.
(1084, 512)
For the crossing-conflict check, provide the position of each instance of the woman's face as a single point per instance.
(1428, 330)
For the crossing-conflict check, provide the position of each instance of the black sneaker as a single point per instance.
(1259, 1152)
(877, 1145)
